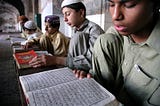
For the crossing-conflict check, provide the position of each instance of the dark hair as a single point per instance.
(54, 25)
(77, 7)
(157, 2)
(156, 7)
(23, 18)
(24, 28)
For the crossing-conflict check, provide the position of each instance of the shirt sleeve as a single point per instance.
(80, 50)
(107, 58)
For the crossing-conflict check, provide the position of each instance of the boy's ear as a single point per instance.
(82, 12)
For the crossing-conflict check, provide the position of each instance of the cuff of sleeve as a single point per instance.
(82, 64)
(69, 62)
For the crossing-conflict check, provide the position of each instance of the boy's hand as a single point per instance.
(81, 74)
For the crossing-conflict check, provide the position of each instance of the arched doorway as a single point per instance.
(8, 17)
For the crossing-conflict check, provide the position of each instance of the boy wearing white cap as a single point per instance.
(84, 35)
(30, 30)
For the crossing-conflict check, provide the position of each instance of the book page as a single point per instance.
(84, 92)
(40, 52)
(16, 40)
(18, 49)
(46, 79)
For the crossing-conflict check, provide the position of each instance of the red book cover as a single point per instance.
(23, 58)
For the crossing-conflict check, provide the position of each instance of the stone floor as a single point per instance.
(9, 90)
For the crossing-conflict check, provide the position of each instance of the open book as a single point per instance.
(60, 87)
(16, 40)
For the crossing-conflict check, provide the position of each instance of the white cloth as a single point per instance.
(30, 37)
(30, 25)
(68, 2)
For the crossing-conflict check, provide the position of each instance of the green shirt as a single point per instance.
(129, 70)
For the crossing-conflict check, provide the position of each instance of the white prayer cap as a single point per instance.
(69, 2)
(30, 25)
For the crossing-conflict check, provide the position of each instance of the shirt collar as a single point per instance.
(154, 38)
(84, 24)
(54, 34)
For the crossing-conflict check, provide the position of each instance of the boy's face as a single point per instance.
(131, 16)
(49, 29)
(73, 18)
(27, 31)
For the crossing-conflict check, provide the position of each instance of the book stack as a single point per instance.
(16, 43)
(16, 40)
(19, 48)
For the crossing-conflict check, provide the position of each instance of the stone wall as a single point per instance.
(8, 17)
